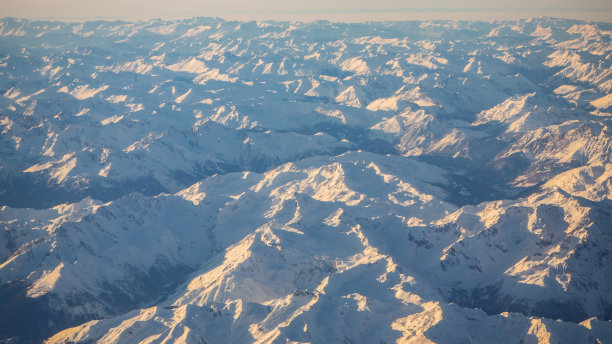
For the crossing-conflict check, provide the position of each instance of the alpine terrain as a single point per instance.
(212, 181)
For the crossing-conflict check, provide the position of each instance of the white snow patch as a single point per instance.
(180, 99)
(84, 91)
(111, 119)
(46, 283)
(192, 65)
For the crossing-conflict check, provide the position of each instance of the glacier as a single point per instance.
(211, 181)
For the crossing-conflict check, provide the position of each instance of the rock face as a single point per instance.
(205, 181)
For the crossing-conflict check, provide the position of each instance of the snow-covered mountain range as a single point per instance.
(210, 181)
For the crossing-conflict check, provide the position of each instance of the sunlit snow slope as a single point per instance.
(206, 181)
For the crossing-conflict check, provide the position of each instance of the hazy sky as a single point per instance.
(354, 10)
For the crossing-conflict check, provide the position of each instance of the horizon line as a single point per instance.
(507, 14)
